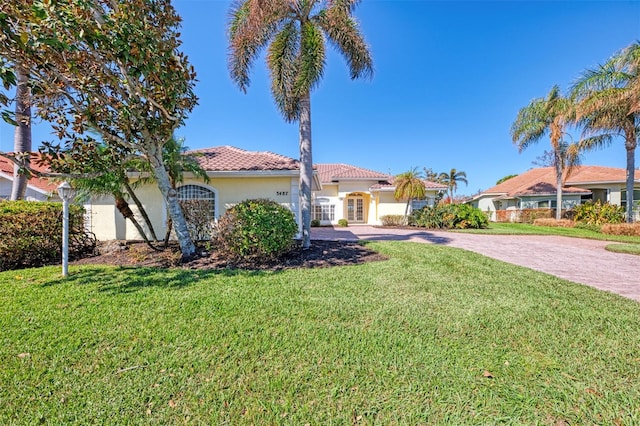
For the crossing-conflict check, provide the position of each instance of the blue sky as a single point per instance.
(450, 77)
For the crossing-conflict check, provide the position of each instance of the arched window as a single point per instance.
(196, 192)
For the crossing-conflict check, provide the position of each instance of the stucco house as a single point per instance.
(536, 188)
(38, 189)
(235, 175)
(361, 196)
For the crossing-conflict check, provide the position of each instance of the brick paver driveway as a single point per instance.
(574, 259)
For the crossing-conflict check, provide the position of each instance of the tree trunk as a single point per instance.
(558, 189)
(631, 167)
(140, 207)
(306, 169)
(22, 133)
(125, 211)
(170, 196)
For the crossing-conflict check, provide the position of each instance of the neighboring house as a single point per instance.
(536, 188)
(235, 175)
(38, 189)
(361, 196)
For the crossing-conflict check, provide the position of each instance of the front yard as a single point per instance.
(435, 335)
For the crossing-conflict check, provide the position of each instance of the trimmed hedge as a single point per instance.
(392, 220)
(449, 216)
(562, 223)
(31, 234)
(631, 229)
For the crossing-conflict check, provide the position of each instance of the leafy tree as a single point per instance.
(112, 66)
(430, 175)
(410, 186)
(548, 116)
(295, 32)
(22, 134)
(506, 178)
(609, 105)
(451, 180)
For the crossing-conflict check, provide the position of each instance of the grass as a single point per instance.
(624, 248)
(528, 229)
(435, 335)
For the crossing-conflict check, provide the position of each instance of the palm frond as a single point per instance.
(311, 59)
(281, 61)
(596, 141)
(344, 34)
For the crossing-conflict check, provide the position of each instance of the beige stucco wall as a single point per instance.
(107, 223)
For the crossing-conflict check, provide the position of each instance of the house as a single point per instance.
(234, 175)
(361, 196)
(38, 189)
(536, 188)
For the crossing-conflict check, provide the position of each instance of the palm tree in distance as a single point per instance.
(295, 32)
(548, 116)
(451, 180)
(608, 105)
(410, 186)
(22, 134)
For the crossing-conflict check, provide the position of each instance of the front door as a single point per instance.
(355, 209)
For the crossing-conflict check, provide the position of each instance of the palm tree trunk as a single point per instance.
(306, 169)
(141, 209)
(125, 211)
(170, 196)
(22, 133)
(558, 190)
(631, 159)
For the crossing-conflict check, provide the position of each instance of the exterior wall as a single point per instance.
(30, 194)
(387, 205)
(107, 223)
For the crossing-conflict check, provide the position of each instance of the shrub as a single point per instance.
(315, 223)
(448, 216)
(256, 229)
(587, 226)
(197, 214)
(631, 229)
(343, 222)
(598, 213)
(562, 223)
(31, 234)
(530, 215)
(392, 220)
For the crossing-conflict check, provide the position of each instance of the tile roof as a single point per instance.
(229, 158)
(542, 180)
(41, 183)
(338, 171)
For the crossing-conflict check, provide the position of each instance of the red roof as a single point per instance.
(229, 158)
(543, 181)
(333, 172)
(43, 184)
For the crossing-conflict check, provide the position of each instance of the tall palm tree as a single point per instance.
(410, 186)
(608, 105)
(22, 134)
(548, 116)
(451, 180)
(296, 32)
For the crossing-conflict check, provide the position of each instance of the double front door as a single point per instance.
(355, 209)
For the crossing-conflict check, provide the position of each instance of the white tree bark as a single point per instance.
(22, 133)
(306, 169)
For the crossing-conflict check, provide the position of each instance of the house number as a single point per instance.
(282, 193)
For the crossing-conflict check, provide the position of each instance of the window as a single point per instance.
(418, 204)
(324, 212)
(196, 192)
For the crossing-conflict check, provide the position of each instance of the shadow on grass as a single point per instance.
(121, 280)
(413, 236)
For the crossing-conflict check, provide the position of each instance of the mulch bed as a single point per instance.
(322, 254)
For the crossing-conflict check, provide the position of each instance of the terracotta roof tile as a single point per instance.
(542, 180)
(43, 184)
(337, 171)
(229, 158)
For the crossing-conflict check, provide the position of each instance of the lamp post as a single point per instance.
(66, 194)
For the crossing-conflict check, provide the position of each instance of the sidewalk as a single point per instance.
(574, 259)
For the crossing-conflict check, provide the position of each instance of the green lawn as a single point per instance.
(624, 248)
(435, 335)
(528, 229)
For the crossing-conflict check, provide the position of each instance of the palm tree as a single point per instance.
(295, 32)
(548, 116)
(451, 180)
(22, 134)
(608, 105)
(409, 186)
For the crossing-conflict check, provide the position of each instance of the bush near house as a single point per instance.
(392, 220)
(449, 216)
(598, 213)
(31, 234)
(562, 223)
(256, 229)
(632, 229)
(343, 223)
(197, 213)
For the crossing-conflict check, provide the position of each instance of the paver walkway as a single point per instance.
(574, 259)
